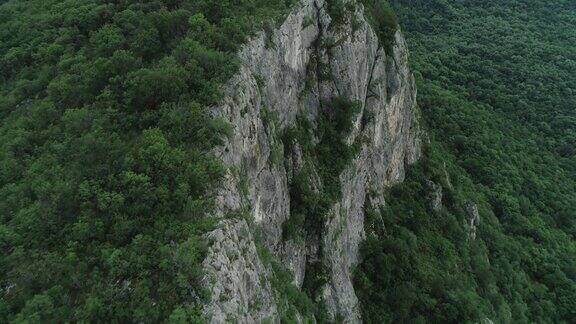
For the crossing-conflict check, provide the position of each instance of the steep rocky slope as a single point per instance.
(289, 77)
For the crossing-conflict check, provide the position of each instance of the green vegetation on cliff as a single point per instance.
(105, 175)
(497, 87)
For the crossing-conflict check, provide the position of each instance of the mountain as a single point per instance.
(272, 161)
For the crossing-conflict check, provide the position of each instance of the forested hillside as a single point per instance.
(104, 175)
(107, 177)
(497, 94)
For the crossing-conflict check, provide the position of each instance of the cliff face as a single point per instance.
(288, 73)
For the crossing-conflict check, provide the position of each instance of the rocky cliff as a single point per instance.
(287, 78)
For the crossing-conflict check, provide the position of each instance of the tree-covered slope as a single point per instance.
(106, 180)
(104, 171)
(497, 89)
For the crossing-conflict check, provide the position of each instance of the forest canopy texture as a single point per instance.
(105, 175)
(104, 172)
(497, 94)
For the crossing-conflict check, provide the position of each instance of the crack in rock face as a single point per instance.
(285, 75)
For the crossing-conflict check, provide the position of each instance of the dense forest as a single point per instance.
(104, 168)
(496, 82)
(106, 175)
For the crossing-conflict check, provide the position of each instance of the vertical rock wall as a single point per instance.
(286, 73)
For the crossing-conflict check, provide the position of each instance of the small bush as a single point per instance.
(383, 19)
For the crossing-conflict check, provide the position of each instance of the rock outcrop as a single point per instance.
(287, 73)
(434, 195)
(473, 220)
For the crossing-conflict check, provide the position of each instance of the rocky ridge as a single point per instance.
(286, 74)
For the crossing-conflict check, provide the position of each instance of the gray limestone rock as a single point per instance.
(279, 79)
(473, 219)
(434, 195)
(238, 280)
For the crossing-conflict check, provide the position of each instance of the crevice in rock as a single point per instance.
(317, 54)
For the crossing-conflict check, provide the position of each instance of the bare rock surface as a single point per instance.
(278, 81)
(434, 195)
(473, 220)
